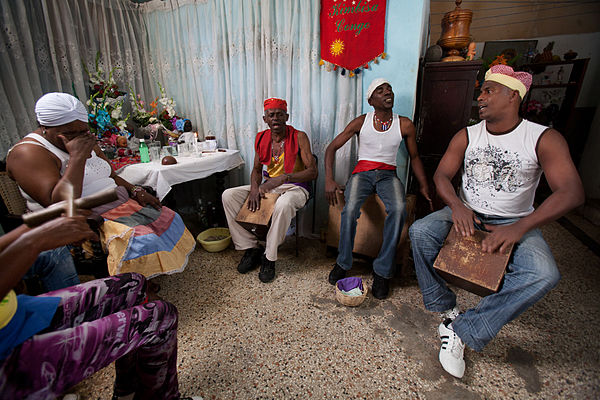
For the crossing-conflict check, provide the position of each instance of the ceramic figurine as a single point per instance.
(471, 52)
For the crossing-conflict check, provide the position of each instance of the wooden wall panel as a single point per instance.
(521, 19)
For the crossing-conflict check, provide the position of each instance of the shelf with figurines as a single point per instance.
(554, 91)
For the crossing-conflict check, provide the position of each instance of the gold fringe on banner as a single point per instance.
(352, 73)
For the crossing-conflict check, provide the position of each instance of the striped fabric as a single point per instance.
(145, 240)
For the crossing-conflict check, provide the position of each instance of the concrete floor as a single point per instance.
(242, 339)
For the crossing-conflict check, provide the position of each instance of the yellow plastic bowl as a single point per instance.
(214, 246)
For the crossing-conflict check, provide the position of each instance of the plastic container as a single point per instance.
(144, 154)
(214, 246)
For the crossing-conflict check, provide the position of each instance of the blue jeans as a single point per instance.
(55, 269)
(531, 273)
(391, 192)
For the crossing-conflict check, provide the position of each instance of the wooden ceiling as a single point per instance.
(521, 19)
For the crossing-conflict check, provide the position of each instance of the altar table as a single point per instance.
(162, 177)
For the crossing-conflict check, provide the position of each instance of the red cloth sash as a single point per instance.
(262, 145)
(366, 165)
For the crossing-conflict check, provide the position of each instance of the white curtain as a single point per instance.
(44, 46)
(218, 59)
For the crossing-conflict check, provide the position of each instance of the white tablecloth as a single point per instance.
(162, 177)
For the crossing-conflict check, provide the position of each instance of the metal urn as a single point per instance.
(455, 32)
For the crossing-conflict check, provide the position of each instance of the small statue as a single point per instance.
(546, 55)
(471, 52)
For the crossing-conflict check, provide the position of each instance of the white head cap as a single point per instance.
(376, 83)
(54, 109)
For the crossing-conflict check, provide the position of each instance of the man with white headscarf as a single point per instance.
(380, 133)
(140, 234)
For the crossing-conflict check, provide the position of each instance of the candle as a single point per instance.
(70, 199)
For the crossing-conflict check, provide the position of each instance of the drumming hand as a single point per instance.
(271, 184)
(331, 190)
(463, 220)
(254, 200)
(502, 236)
(425, 192)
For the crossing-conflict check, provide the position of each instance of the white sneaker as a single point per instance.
(71, 396)
(451, 313)
(452, 350)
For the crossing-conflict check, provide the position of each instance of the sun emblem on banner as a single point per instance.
(337, 47)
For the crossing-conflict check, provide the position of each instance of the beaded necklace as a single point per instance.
(384, 125)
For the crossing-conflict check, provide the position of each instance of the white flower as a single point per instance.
(116, 113)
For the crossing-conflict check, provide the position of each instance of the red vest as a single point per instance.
(262, 145)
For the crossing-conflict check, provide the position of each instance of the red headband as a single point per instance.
(275, 103)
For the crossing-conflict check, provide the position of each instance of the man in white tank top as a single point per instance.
(379, 136)
(502, 159)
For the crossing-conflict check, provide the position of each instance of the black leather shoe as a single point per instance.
(336, 274)
(250, 260)
(267, 270)
(381, 287)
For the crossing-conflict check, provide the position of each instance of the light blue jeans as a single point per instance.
(55, 269)
(391, 192)
(531, 273)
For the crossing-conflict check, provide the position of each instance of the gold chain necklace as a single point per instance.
(276, 157)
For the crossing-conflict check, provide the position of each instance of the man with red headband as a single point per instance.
(284, 159)
(502, 159)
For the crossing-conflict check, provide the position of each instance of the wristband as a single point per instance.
(287, 179)
(135, 190)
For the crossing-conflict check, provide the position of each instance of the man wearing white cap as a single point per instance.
(380, 134)
(502, 159)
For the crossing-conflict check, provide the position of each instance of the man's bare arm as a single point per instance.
(331, 186)
(567, 193)
(450, 164)
(410, 137)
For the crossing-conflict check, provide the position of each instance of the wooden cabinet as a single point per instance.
(444, 101)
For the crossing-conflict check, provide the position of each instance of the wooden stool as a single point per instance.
(369, 228)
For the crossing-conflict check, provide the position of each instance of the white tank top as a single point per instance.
(379, 146)
(96, 176)
(501, 172)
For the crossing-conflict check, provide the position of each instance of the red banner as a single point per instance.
(352, 32)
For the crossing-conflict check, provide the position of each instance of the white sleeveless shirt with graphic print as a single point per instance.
(501, 172)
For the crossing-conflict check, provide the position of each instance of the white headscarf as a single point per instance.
(376, 83)
(54, 109)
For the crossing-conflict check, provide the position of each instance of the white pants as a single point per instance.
(292, 199)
